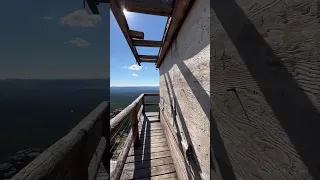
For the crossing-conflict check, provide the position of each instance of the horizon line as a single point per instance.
(135, 85)
(54, 79)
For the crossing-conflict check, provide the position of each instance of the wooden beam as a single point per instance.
(136, 34)
(134, 124)
(115, 175)
(65, 152)
(147, 43)
(93, 6)
(148, 61)
(148, 57)
(96, 159)
(151, 94)
(122, 22)
(179, 14)
(154, 7)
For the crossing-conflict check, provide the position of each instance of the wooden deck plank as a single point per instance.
(148, 164)
(150, 156)
(149, 172)
(147, 150)
(149, 128)
(152, 159)
(102, 173)
(170, 176)
(159, 143)
(153, 134)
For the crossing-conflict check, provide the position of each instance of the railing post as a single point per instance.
(105, 129)
(134, 125)
(79, 166)
(142, 103)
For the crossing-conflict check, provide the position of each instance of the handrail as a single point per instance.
(133, 136)
(70, 152)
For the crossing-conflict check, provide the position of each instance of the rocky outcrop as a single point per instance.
(22, 158)
(115, 112)
(16, 162)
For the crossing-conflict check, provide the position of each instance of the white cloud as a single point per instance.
(134, 74)
(79, 42)
(135, 67)
(80, 18)
(47, 18)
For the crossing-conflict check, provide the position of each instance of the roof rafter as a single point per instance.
(176, 10)
(180, 11)
(122, 22)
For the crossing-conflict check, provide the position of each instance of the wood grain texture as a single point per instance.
(134, 124)
(102, 173)
(136, 34)
(65, 152)
(265, 77)
(96, 159)
(178, 157)
(152, 158)
(180, 11)
(147, 43)
(185, 89)
(115, 175)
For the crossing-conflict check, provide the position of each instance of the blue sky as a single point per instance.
(124, 70)
(62, 40)
(53, 40)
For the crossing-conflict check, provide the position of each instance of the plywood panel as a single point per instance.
(265, 88)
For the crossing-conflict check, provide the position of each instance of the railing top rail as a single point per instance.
(114, 122)
(57, 154)
(151, 94)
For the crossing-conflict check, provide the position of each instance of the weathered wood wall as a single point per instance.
(265, 78)
(184, 95)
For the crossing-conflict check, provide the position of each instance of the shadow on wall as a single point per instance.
(297, 115)
(198, 91)
(194, 161)
(200, 94)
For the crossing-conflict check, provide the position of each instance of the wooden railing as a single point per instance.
(133, 136)
(68, 158)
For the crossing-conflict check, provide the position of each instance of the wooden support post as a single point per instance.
(142, 103)
(79, 166)
(105, 129)
(159, 112)
(134, 124)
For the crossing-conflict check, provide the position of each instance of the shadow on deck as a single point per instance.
(152, 158)
(145, 154)
(84, 153)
